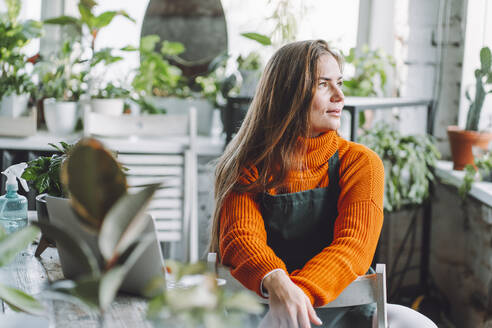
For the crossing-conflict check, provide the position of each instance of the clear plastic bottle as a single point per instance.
(13, 210)
(13, 207)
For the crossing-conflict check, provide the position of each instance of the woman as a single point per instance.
(299, 209)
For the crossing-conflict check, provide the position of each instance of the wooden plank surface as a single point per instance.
(32, 275)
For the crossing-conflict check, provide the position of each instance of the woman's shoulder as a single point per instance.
(353, 152)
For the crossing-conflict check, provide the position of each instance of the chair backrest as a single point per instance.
(163, 150)
(370, 288)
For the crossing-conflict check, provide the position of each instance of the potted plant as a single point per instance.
(408, 164)
(107, 213)
(110, 100)
(162, 88)
(43, 174)
(61, 82)
(462, 141)
(15, 83)
(480, 170)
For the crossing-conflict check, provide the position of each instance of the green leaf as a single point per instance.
(125, 14)
(172, 48)
(19, 300)
(63, 20)
(12, 244)
(112, 279)
(125, 222)
(77, 247)
(104, 19)
(86, 15)
(94, 179)
(485, 59)
(110, 283)
(129, 48)
(261, 38)
(148, 43)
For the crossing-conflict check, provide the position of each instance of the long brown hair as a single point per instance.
(277, 117)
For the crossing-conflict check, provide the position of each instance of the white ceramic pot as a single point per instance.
(113, 107)
(60, 116)
(204, 110)
(14, 105)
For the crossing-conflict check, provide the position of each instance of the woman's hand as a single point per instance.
(289, 305)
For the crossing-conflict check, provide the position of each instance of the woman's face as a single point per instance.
(328, 100)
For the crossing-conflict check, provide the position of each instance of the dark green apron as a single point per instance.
(300, 225)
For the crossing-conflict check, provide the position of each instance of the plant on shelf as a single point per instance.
(203, 304)
(480, 171)
(156, 76)
(110, 100)
(111, 91)
(97, 189)
(408, 163)
(370, 73)
(10, 246)
(462, 140)
(219, 84)
(43, 173)
(15, 81)
(61, 83)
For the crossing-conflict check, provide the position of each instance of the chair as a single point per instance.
(365, 289)
(158, 148)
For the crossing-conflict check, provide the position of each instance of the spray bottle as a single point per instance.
(13, 207)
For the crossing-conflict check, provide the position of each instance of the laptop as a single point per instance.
(149, 266)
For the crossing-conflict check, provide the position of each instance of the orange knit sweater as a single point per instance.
(243, 243)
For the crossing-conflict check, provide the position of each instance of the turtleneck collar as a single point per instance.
(319, 149)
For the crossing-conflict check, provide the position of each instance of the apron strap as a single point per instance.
(334, 171)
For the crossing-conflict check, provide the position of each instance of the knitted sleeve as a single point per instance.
(356, 232)
(243, 241)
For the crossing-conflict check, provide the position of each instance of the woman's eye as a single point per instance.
(340, 83)
(323, 84)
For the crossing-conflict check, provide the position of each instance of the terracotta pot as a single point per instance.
(461, 142)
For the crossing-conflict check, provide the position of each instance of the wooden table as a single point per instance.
(32, 275)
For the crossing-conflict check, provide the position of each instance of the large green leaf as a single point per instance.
(12, 244)
(94, 179)
(125, 222)
(77, 247)
(112, 279)
(20, 301)
(263, 39)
